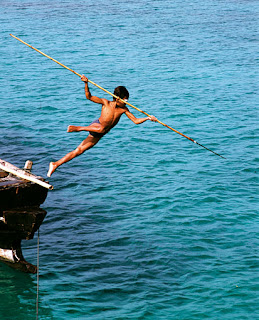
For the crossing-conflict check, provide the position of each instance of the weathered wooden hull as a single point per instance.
(15, 192)
(20, 217)
(17, 225)
(24, 174)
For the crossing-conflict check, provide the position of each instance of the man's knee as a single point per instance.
(81, 149)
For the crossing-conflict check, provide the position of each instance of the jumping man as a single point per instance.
(110, 116)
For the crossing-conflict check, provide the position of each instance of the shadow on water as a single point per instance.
(18, 295)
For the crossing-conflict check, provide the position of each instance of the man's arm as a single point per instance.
(138, 120)
(88, 93)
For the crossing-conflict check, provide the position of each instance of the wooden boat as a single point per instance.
(20, 212)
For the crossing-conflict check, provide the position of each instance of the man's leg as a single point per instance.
(87, 144)
(94, 127)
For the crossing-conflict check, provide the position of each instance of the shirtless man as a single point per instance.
(110, 116)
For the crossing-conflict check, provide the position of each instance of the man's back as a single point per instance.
(111, 113)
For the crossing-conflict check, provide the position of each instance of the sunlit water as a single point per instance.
(146, 225)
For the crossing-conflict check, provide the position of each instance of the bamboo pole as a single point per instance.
(110, 93)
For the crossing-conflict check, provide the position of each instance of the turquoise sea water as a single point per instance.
(146, 225)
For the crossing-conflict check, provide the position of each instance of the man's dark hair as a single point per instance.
(121, 92)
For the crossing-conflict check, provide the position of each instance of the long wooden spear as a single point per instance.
(126, 102)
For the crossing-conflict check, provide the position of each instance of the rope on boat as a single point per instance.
(38, 274)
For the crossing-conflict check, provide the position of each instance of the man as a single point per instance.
(110, 116)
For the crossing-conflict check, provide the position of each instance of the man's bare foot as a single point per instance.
(52, 168)
(71, 128)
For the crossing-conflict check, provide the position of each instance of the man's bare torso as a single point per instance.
(111, 114)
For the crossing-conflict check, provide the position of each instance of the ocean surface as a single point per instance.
(146, 225)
